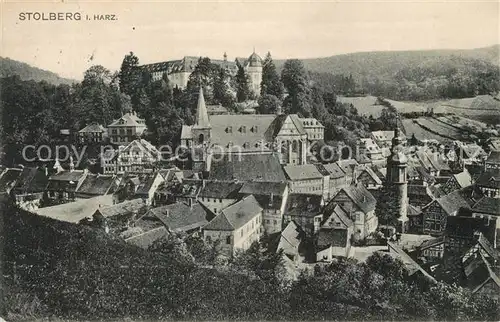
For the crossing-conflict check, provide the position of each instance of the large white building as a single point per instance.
(178, 71)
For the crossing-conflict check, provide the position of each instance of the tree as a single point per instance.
(296, 82)
(243, 92)
(271, 83)
(268, 104)
(387, 209)
(129, 76)
(266, 265)
(222, 95)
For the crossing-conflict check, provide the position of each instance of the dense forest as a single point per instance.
(10, 67)
(455, 77)
(57, 269)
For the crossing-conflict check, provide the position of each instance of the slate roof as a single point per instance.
(93, 128)
(490, 179)
(129, 119)
(98, 184)
(9, 178)
(123, 208)
(250, 129)
(180, 216)
(346, 165)
(361, 197)
(410, 264)
(146, 183)
(247, 167)
(290, 238)
(372, 174)
(302, 172)
(236, 215)
(418, 190)
(220, 190)
(31, 180)
(452, 202)
(67, 175)
(263, 188)
(487, 205)
(141, 146)
(337, 212)
(494, 157)
(269, 202)
(335, 170)
(303, 205)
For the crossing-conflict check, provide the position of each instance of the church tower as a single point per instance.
(202, 128)
(397, 164)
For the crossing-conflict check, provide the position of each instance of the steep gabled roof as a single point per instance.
(290, 238)
(263, 188)
(303, 205)
(489, 179)
(221, 189)
(247, 167)
(129, 119)
(335, 170)
(93, 128)
(302, 172)
(361, 197)
(31, 180)
(487, 205)
(337, 213)
(452, 202)
(97, 184)
(494, 157)
(181, 217)
(236, 215)
(332, 237)
(123, 208)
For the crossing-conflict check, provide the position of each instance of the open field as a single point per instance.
(483, 108)
(411, 126)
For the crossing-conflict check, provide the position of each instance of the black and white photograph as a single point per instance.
(249, 160)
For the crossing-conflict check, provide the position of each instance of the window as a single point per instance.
(267, 221)
(228, 240)
(220, 200)
(215, 210)
(275, 222)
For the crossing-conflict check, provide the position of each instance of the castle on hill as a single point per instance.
(178, 71)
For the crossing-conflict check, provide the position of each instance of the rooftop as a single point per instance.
(236, 215)
(123, 208)
(247, 167)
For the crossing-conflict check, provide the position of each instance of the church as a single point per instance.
(178, 71)
(290, 136)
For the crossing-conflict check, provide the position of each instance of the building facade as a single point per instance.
(126, 129)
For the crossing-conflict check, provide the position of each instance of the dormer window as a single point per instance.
(243, 129)
(255, 129)
(229, 129)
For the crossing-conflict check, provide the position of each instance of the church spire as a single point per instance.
(201, 112)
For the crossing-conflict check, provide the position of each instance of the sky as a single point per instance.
(160, 30)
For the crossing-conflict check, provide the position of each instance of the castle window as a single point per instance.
(229, 129)
(243, 129)
(201, 138)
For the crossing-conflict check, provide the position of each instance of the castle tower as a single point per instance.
(397, 164)
(254, 71)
